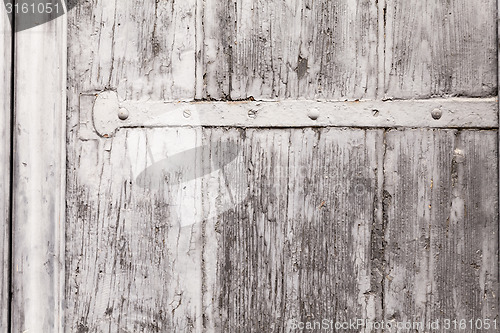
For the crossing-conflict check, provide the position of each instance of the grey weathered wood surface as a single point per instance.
(145, 254)
(309, 221)
(5, 114)
(125, 270)
(290, 49)
(39, 178)
(440, 199)
(133, 266)
(440, 48)
(349, 49)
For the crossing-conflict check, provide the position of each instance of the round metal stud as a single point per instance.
(123, 114)
(437, 114)
(313, 114)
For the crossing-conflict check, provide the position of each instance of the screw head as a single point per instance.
(437, 114)
(123, 114)
(186, 113)
(252, 114)
(313, 113)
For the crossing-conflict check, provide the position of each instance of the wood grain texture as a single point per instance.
(439, 48)
(301, 246)
(131, 266)
(290, 49)
(134, 246)
(134, 250)
(441, 225)
(5, 134)
(142, 49)
(242, 230)
(349, 49)
(39, 170)
(168, 238)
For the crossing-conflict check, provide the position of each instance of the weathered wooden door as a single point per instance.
(260, 166)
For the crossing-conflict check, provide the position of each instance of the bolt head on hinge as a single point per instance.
(123, 114)
(436, 114)
(313, 113)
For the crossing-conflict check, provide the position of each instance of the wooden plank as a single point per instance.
(141, 271)
(39, 177)
(245, 251)
(311, 217)
(133, 244)
(5, 133)
(441, 224)
(290, 49)
(440, 48)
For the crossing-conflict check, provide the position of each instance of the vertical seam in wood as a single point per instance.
(381, 45)
(384, 198)
(64, 179)
(203, 228)
(11, 178)
(199, 40)
(230, 53)
(113, 47)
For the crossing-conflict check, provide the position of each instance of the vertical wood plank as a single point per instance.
(134, 246)
(133, 256)
(245, 246)
(441, 225)
(5, 134)
(334, 207)
(39, 177)
(132, 252)
(290, 49)
(440, 48)
(309, 221)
